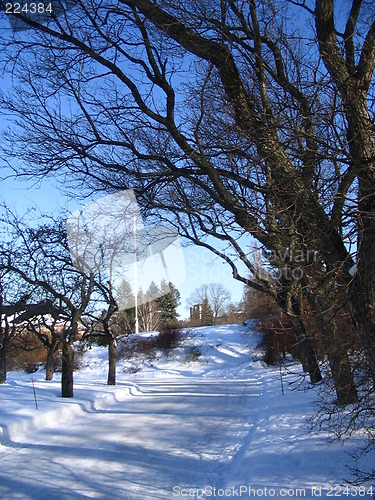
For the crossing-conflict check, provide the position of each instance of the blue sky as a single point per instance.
(202, 266)
(44, 197)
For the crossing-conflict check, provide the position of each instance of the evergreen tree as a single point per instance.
(168, 302)
(207, 314)
(153, 291)
(125, 295)
(125, 318)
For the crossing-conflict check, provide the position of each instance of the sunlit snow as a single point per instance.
(214, 425)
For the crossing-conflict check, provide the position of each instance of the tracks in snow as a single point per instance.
(159, 434)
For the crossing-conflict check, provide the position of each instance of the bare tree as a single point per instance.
(280, 291)
(148, 310)
(12, 304)
(351, 67)
(40, 257)
(101, 321)
(217, 295)
(46, 320)
(221, 117)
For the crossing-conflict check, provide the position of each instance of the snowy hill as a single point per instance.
(204, 420)
(223, 351)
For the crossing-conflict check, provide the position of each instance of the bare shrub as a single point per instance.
(26, 351)
(192, 354)
(133, 345)
(258, 305)
(168, 338)
(78, 358)
(32, 367)
(277, 339)
(146, 346)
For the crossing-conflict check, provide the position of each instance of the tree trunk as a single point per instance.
(112, 351)
(308, 357)
(67, 369)
(3, 365)
(364, 317)
(335, 349)
(50, 362)
(362, 290)
(353, 82)
(290, 305)
(340, 368)
(339, 363)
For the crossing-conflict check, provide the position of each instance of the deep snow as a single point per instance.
(181, 426)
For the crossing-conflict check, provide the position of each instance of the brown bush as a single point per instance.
(133, 345)
(168, 338)
(277, 338)
(26, 352)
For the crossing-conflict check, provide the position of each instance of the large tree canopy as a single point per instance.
(227, 119)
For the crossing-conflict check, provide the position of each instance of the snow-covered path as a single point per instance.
(175, 426)
(159, 435)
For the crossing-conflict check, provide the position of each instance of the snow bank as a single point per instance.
(213, 424)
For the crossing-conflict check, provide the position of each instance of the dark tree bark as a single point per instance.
(307, 353)
(334, 346)
(50, 362)
(353, 80)
(67, 369)
(106, 320)
(112, 351)
(290, 304)
(3, 364)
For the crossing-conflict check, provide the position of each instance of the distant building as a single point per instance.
(196, 311)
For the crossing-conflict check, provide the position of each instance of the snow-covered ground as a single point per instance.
(207, 421)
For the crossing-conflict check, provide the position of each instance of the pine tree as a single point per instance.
(207, 314)
(168, 302)
(125, 318)
(125, 295)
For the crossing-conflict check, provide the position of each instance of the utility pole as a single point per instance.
(135, 275)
